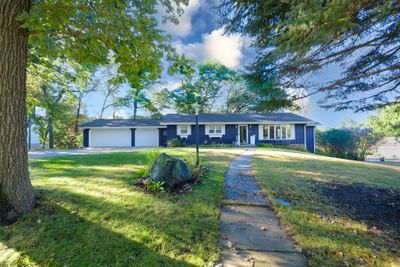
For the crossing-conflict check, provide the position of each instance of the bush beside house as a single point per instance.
(348, 143)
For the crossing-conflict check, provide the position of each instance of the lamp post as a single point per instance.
(197, 135)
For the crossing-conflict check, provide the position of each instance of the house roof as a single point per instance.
(119, 123)
(283, 117)
(235, 118)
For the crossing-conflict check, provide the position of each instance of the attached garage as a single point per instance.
(122, 133)
(110, 138)
(146, 137)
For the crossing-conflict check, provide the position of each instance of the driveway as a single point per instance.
(76, 152)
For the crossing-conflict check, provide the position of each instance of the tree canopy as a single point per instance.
(298, 38)
(82, 31)
(200, 84)
(387, 121)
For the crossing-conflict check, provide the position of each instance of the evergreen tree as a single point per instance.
(298, 38)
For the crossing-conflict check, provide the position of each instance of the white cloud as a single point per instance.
(224, 49)
(215, 46)
(184, 28)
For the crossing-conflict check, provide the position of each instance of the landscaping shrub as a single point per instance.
(216, 145)
(290, 147)
(153, 186)
(265, 145)
(348, 143)
(175, 142)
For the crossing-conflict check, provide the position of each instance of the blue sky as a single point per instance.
(199, 36)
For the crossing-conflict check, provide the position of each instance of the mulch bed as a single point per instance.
(377, 207)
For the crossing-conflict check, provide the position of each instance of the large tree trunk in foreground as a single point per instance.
(16, 193)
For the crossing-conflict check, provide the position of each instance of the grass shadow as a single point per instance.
(54, 236)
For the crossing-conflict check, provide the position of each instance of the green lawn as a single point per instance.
(90, 214)
(327, 232)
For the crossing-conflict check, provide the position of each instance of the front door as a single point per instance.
(243, 134)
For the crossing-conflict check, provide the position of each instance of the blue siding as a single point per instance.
(191, 139)
(162, 137)
(228, 138)
(310, 139)
(86, 137)
(171, 132)
(133, 137)
(299, 131)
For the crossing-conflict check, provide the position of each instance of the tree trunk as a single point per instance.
(51, 131)
(103, 107)
(78, 115)
(16, 192)
(135, 105)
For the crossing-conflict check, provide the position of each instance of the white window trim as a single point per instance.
(261, 131)
(208, 126)
(184, 135)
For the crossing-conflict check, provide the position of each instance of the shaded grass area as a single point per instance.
(331, 230)
(90, 214)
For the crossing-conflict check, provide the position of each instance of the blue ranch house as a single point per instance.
(241, 129)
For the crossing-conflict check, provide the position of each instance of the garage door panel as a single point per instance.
(110, 138)
(146, 137)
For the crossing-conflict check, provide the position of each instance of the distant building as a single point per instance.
(35, 142)
(388, 148)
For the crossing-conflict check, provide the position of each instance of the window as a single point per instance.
(289, 132)
(265, 131)
(183, 130)
(283, 132)
(271, 132)
(276, 132)
(215, 130)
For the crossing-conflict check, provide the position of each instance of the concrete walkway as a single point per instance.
(250, 231)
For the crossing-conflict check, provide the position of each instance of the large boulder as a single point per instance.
(170, 170)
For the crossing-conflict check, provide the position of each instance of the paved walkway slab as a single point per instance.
(248, 258)
(251, 235)
(240, 184)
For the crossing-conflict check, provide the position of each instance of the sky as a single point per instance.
(199, 36)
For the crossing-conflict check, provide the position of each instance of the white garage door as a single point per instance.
(146, 137)
(110, 137)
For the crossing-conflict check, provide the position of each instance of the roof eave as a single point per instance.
(241, 122)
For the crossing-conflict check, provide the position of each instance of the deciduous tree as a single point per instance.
(200, 84)
(387, 121)
(85, 31)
